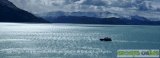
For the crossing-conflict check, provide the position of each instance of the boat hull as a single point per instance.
(105, 40)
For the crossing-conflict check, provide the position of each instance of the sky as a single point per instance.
(146, 8)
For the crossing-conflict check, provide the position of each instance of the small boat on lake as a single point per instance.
(105, 39)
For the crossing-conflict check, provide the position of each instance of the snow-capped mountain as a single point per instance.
(96, 18)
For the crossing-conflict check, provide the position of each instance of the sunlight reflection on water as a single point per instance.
(73, 41)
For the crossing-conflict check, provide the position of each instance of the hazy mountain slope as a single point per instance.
(10, 13)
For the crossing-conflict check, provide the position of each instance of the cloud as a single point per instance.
(122, 7)
(56, 5)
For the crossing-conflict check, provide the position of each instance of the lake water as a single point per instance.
(19, 40)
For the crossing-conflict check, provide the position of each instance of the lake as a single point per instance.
(26, 40)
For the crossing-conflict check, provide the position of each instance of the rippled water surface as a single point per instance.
(73, 40)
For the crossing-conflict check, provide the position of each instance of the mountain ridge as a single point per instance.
(95, 20)
(10, 13)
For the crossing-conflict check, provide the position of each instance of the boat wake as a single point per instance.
(125, 41)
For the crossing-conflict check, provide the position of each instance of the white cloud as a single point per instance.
(80, 2)
(123, 7)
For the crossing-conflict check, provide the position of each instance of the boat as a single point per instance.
(106, 39)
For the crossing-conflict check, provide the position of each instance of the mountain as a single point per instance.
(96, 18)
(88, 14)
(134, 20)
(10, 13)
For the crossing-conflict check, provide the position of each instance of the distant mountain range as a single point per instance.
(88, 14)
(96, 18)
(10, 13)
